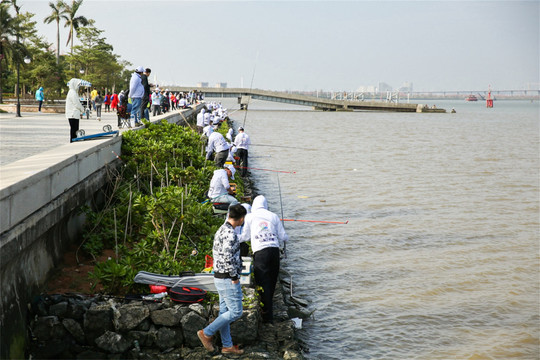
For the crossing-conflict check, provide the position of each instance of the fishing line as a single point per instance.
(283, 146)
(317, 221)
(252, 168)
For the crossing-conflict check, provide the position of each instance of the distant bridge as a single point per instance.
(317, 103)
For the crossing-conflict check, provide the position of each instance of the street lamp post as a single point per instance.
(27, 60)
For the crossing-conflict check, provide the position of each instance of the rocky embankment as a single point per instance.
(100, 327)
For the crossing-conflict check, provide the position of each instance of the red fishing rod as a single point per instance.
(252, 168)
(317, 221)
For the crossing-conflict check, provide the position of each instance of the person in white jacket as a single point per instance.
(267, 234)
(74, 108)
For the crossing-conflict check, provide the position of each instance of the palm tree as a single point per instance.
(73, 21)
(57, 14)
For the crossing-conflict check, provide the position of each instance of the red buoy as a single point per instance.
(489, 100)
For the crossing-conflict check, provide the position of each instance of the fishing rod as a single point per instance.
(281, 204)
(252, 168)
(250, 88)
(317, 221)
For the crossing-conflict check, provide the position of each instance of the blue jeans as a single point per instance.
(230, 309)
(135, 110)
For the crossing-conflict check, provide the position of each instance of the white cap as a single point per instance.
(233, 170)
(140, 69)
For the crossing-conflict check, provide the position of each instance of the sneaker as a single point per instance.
(233, 350)
(205, 340)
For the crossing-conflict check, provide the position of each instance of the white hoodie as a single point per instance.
(74, 108)
(263, 227)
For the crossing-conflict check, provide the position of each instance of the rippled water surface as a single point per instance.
(440, 258)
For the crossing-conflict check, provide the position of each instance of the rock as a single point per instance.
(59, 309)
(199, 309)
(191, 323)
(75, 329)
(292, 355)
(169, 338)
(76, 309)
(245, 329)
(91, 355)
(144, 325)
(48, 349)
(166, 317)
(112, 342)
(285, 331)
(48, 328)
(129, 316)
(97, 320)
(143, 337)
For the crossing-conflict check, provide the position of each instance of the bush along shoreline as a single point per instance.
(154, 219)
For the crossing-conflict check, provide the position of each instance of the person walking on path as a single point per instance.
(93, 95)
(107, 102)
(114, 101)
(145, 113)
(74, 108)
(136, 92)
(227, 269)
(242, 142)
(99, 101)
(40, 97)
(267, 234)
(156, 101)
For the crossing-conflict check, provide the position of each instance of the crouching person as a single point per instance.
(227, 270)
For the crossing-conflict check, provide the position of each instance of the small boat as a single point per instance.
(471, 98)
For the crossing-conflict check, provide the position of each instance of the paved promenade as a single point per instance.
(34, 133)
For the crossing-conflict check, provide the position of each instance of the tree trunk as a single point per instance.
(57, 41)
(1, 90)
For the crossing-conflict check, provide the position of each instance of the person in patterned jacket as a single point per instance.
(227, 270)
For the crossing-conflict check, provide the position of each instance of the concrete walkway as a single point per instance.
(34, 133)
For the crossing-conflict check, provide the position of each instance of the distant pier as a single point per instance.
(317, 103)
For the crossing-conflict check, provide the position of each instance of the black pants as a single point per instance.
(266, 270)
(243, 155)
(73, 127)
(220, 158)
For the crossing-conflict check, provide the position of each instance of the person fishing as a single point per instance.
(267, 234)
(242, 142)
(220, 189)
(217, 144)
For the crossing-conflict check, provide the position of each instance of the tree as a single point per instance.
(102, 67)
(43, 70)
(57, 14)
(10, 47)
(73, 21)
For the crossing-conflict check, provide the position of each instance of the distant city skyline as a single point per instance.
(328, 45)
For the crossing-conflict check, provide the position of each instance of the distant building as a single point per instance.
(407, 87)
(221, 85)
(383, 87)
(202, 84)
(367, 89)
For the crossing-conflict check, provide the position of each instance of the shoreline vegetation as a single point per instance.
(153, 218)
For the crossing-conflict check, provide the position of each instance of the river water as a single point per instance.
(440, 256)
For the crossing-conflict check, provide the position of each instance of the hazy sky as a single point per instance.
(330, 45)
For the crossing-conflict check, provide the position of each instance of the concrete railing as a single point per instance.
(39, 201)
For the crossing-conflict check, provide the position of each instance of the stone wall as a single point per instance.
(79, 327)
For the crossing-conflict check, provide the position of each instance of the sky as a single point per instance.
(321, 45)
